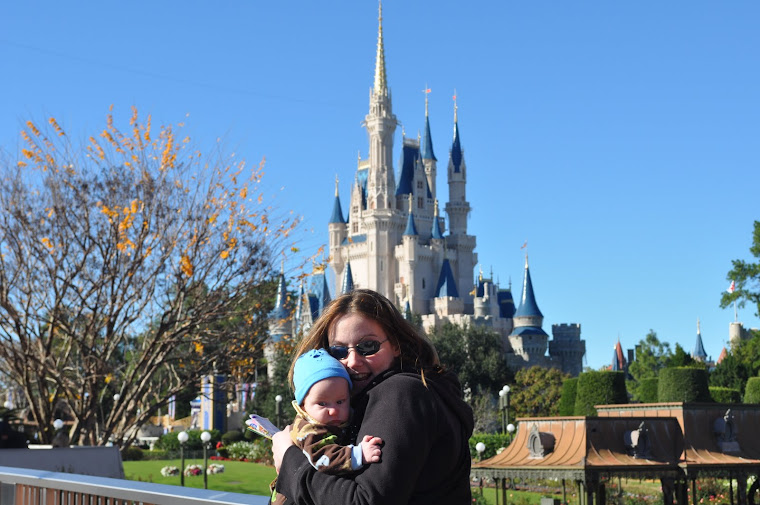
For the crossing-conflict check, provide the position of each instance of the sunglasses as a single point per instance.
(364, 348)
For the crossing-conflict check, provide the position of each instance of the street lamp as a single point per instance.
(278, 409)
(504, 407)
(182, 436)
(480, 447)
(206, 439)
(510, 430)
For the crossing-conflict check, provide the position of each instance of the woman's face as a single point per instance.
(352, 330)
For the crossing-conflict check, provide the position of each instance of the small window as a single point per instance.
(423, 283)
(420, 202)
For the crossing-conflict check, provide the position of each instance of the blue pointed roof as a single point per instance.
(447, 286)
(320, 291)
(615, 362)
(506, 303)
(348, 280)
(337, 213)
(456, 149)
(280, 311)
(427, 150)
(411, 229)
(361, 179)
(409, 155)
(528, 306)
(407, 311)
(699, 348)
(437, 228)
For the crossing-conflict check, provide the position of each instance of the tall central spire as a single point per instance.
(381, 82)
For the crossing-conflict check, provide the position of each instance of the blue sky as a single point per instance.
(620, 139)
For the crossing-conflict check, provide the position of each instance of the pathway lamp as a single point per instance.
(480, 447)
(511, 431)
(504, 407)
(182, 437)
(278, 409)
(206, 439)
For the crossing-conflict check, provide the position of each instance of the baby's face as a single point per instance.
(327, 401)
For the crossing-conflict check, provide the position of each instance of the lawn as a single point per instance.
(238, 476)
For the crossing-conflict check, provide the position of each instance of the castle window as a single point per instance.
(381, 265)
(420, 202)
(419, 184)
(423, 283)
(354, 227)
(355, 209)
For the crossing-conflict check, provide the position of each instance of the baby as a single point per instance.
(322, 411)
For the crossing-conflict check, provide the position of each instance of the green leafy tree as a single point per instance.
(748, 353)
(652, 355)
(682, 358)
(567, 401)
(537, 392)
(746, 276)
(475, 354)
(731, 372)
(120, 260)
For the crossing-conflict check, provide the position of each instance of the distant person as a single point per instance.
(322, 392)
(400, 394)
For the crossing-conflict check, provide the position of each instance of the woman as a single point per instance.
(401, 395)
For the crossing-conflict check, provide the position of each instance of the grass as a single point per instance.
(238, 476)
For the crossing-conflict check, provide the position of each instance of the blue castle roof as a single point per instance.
(280, 311)
(337, 213)
(699, 348)
(411, 229)
(348, 280)
(528, 305)
(437, 228)
(409, 155)
(446, 284)
(456, 149)
(427, 150)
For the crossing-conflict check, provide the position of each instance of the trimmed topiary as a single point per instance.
(647, 391)
(725, 395)
(752, 390)
(683, 384)
(599, 388)
(567, 398)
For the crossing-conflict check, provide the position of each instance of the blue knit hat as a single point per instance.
(314, 366)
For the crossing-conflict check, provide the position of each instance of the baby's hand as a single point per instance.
(371, 449)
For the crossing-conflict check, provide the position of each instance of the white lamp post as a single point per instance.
(182, 436)
(480, 447)
(504, 407)
(206, 439)
(510, 430)
(278, 409)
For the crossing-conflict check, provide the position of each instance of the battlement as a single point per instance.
(566, 331)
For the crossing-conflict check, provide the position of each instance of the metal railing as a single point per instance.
(22, 486)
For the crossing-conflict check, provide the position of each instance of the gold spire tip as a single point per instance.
(336, 184)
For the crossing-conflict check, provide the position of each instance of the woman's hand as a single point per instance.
(281, 441)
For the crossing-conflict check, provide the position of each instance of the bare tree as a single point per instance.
(122, 262)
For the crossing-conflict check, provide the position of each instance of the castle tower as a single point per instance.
(428, 156)
(458, 209)
(567, 349)
(699, 353)
(338, 230)
(528, 339)
(280, 324)
(383, 226)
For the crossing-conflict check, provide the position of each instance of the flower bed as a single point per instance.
(215, 468)
(191, 470)
(169, 471)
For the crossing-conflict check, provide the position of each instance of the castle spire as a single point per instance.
(427, 149)
(699, 353)
(381, 81)
(337, 213)
(528, 306)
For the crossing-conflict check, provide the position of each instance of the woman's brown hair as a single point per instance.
(416, 351)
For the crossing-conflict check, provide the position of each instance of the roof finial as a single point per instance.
(380, 79)
(698, 330)
(427, 92)
(455, 105)
(411, 203)
(336, 184)
(435, 208)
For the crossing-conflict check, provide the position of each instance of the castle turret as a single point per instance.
(699, 353)
(338, 230)
(428, 156)
(348, 280)
(528, 339)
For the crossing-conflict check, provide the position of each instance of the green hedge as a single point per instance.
(599, 388)
(567, 400)
(493, 442)
(683, 384)
(725, 395)
(752, 390)
(169, 442)
(647, 391)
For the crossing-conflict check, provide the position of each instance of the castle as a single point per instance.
(394, 240)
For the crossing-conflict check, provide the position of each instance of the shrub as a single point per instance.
(232, 436)
(647, 390)
(260, 450)
(599, 388)
(131, 453)
(493, 442)
(725, 395)
(683, 384)
(752, 390)
(169, 442)
(567, 400)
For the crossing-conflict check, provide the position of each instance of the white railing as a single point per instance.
(22, 486)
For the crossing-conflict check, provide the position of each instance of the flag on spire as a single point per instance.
(732, 287)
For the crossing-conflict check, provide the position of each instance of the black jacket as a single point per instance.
(426, 457)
